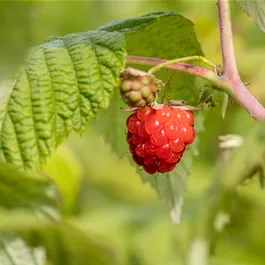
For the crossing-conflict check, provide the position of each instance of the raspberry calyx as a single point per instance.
(157, 138)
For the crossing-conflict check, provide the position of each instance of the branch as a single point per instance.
(226, 37)
(180, 67)
(237, 88)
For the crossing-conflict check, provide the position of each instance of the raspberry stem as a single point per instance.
(226, 38)
(234, 87)
(186, 59)
(177, 66)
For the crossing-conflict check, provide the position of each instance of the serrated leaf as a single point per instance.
(220, 100)
(212, 97)
(63, 84)
(15, 251)
(130, 25)
(18, 190)
(255, 9)
(111, 125)
(172, 185)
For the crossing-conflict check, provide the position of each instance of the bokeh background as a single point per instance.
(102, 194)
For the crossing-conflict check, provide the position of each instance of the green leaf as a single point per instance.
(66, 244)
(19, 219)
(111, 124)
(61, 243)
(220, 99)
(171, 186)
(130, 25)
(165, 35)
(256, 10)
(15, 251)
(212, 97)
(63, 83)
(18, 190)
(64, 163)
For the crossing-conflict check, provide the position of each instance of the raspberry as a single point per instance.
(133, 123)
(138, 88)
(157, 138)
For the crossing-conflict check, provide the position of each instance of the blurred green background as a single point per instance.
(102, 194)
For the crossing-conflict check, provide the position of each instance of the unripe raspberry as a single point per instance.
(157, 138)
(138, 88)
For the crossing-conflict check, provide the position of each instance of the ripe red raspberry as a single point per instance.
(157, 138)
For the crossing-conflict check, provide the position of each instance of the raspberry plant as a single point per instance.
(68, 80)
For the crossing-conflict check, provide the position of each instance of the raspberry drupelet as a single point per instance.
(157, 138)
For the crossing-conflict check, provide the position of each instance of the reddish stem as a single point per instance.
(226, 38)
(181, 67)
(237, 89)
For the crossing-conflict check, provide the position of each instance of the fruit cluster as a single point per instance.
(157, 138)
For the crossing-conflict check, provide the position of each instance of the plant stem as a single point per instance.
(182, 60)
(235, 88)
(238, 89)
(180, 67)
(226, 37)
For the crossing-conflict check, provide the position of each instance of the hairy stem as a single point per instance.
(238, 89)
(226, 37)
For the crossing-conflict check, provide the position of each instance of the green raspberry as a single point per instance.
(138, 88)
